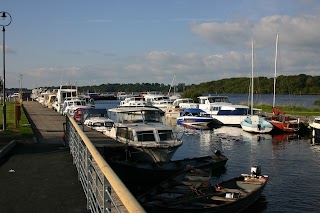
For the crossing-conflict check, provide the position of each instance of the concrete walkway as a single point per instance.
(40, 177)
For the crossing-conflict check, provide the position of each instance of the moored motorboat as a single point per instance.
(65, 92)
(314, 125)
(223, 112)
(133, 101)
(284, 123)
(174, 110)
(121, 161)
(100, 124)
(140, 129)
(158, 100)
(186, 193)
(194, 117)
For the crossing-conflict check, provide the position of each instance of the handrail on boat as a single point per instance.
(128, 200)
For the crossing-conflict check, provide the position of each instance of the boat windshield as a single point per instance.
(162, 98)
(135, 116)
(218, 99)
(125, 133)
(151, 116)
(165, 135)
(146, 136)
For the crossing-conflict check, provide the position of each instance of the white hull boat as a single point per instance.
(139, 128)
(223, 112)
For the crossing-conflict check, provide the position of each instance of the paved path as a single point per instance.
(40, 177)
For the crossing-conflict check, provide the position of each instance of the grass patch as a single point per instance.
(292, 110)
(23, 129)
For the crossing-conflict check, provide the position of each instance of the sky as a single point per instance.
(50, 43)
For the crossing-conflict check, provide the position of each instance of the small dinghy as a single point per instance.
(184, 194)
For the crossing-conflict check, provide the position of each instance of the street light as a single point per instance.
(20, 92)
(6, 20)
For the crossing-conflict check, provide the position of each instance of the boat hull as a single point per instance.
(285, 126)
(154, 154)
(228, 119)
(184, 195)
(255, 124)
(146, 171)
(195, 120)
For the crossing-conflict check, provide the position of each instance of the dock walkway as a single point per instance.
(39, 175)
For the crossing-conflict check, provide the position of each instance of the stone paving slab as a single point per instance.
(40, 177)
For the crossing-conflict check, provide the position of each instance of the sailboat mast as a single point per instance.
(275, 73)
(252, 80)
(173, 81)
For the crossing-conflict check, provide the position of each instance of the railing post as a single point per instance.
(106, 192)
(91, 164)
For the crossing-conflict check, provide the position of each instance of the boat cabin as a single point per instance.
(134, 114)
(144, 134)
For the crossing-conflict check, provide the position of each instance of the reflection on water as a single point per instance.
(291, 162)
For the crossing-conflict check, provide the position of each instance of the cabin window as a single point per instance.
(215, 108)
(98, 124)
(317, 121)
(146, 136)
(151, 115)
(165, 135)
(124, 133)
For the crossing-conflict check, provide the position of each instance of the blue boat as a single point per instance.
(194, 117)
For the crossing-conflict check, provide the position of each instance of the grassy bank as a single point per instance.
(23, 130)
(291, 110)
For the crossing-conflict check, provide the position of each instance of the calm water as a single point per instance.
(291, 162)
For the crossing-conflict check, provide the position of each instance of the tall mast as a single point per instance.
(275, 73)
(252, 80)
(173, 81)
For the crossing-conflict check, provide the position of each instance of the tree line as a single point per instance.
(296, 85)
(137, 87)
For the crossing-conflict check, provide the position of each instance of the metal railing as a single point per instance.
(104, 191)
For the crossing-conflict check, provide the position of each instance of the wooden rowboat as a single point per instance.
(184, 194)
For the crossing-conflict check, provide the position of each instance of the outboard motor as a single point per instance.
(255, 171)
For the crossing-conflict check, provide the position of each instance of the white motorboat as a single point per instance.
(62, 94)
(223, 112)
(174, 110)
(159, 101)
(71, 104)
(122, 95)
(133, 101)
(101, 124)
(194, 117)
(315, 127)
(141, 130)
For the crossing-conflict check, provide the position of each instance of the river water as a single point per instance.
(292, 163)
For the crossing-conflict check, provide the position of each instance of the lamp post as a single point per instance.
(6, 20)
(20, 92)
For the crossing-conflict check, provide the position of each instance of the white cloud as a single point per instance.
(229, 56)
(224, 33)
